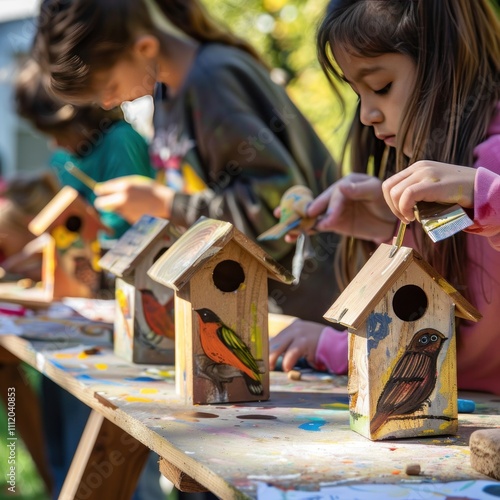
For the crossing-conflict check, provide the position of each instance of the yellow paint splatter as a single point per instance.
(146, 390)
(63, 355)
(134, 399)
(336, 406)
(101, 366)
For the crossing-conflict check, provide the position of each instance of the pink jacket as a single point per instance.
(478, 347)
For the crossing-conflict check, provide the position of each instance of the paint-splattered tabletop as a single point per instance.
(298, 444)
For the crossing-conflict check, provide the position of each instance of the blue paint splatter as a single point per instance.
(314, 424)
(144, 379)
(492, 489)
(88, 378)
(377, 329)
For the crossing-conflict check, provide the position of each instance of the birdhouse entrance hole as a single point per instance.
(410, 303)
(228, 275)
(73, 223)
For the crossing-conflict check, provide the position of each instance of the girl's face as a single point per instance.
(125, 81)
(384, 85)
(133, 76)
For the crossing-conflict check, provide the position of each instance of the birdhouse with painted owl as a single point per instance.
(221, 312)
(144, 321)
(71, 253)
(400, 314)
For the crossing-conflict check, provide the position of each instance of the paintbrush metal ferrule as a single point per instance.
(441, 221)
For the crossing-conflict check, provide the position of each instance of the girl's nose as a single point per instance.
(370, 115)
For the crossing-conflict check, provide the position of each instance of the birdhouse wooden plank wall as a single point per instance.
(144, 322)
(70, 258)
(402, 346)
(221, 312)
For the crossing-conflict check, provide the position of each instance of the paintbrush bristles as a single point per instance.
(441, 221)
(398, 239)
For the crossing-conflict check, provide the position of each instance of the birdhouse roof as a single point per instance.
(199, 244)
(58, 208)
(134, 245)
(376, 278)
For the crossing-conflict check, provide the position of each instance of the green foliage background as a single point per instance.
(284, 31)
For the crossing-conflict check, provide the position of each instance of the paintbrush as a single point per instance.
(441, 221)
(398, 239)
(80, 175)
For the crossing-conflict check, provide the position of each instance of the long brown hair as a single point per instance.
(76, 38)
(456, 48)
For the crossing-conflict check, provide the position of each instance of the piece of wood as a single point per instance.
(69, 267)
(485, 452)
(402, 348)
(221, 312)
(107, 463)
(27, 413)
(144, 327)
(181, 480)
(234, 450)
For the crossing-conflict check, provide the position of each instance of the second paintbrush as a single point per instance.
(80, 175)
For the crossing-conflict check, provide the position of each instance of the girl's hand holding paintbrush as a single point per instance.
(354, 206)
(429, 181)
(133, 196)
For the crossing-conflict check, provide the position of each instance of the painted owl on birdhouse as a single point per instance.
(221, 312)
(144, 321)
(402, 348)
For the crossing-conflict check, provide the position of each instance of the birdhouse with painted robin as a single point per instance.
(71, 252)
(221, 312)
(400, 314)
(144, 321)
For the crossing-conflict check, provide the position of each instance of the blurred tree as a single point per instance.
(284, 32)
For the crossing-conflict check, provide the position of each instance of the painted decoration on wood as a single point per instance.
(221, 316)
(70, 259)
(402, 348)
(224, 346)
(144, 321)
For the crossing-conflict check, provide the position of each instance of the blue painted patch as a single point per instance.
(314, 425)
(88, 378)
(144, 379)
(377, 329)
(492, 489)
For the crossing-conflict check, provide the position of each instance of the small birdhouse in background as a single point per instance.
(144, 321)
(221, 312)
(70, 258)
(402, 347)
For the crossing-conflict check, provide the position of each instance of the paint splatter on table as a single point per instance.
(294, 445)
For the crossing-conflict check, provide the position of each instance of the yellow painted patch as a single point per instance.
(63, 355)
(101, 366)
(336, 406)
(134, 399)
(146, 390)
(193, 182)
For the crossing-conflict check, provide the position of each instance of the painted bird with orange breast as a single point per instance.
(223, 346)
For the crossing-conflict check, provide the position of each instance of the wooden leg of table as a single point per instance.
(28, 416)
(107, 463)
(180, 479)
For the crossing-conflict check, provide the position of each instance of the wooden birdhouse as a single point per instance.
(402, 347)
(144, 321)
(71, 255)
(221, 312)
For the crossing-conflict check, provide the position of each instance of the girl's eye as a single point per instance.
(384, 90)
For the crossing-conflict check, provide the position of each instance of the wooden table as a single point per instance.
(297, 443)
